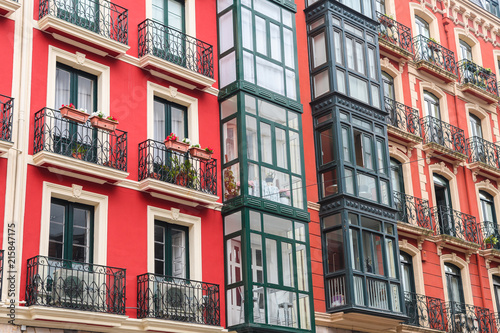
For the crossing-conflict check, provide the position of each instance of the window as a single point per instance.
(422, 27)
(431, 105)
(362, 6)
(171, 250)
(77, 87)
(388, 82)
(454, 286)
(363, 147)
(169, 13)
(489, 219)
(444, 207)
(397, 176)
(380, 6)
(475, 126)
(407, 279)
(71, 231)
(496, 290)
(169, 118)
(465, 50)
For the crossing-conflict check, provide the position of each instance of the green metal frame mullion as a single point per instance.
(246, 265)
(68, 235)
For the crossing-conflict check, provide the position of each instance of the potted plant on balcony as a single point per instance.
(204, 154)
(187, 175)
(433, 45)
(99, 120)
(172, 143)
(79, 152)
(231, 186)
(70, 112)
(387, 20)
(490, 241)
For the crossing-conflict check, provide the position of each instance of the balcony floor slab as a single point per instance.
(5, 146)
(480, 93)
(436, 71)
(394, 50)
(7, 7)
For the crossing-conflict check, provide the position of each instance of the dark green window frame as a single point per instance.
(165, 247)
(74, 74)
(454, 276)
(168, 115)
(83, 15)
(248, 275)
(166, 12)
(68, 231)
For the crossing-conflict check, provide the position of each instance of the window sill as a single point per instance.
(5, 146)
(76, 168)
(164, 67)
(7, 7)
(80, 37)
(479, 92)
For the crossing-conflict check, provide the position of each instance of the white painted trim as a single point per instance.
(427, 15)
(173, 216)
(405, 163)
(464, 271)
(78, 60)
(172, 95)
(387, 67)
(418, 272)
(190, 15)
(485, 120)
(76, 194)
(488, 187)
(491, 272)
(442, 169)
(469, 38)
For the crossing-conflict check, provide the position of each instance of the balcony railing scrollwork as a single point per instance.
(403, 117)
(58, 135)
(466, 318)
(395, 33)
(99, 16)
(451, 222)
(439, 56)
(6, 108)
(483, 151)
(165, 297)
(413, 210)
(424, 311)
(176, 47)
(156, 162)
(471, 73)
(75, 285)
(490, 232)
(446, 135)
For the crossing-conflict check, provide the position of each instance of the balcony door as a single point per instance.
(434, 126)
(496, 290)
(490, 227)
(80, 89)
(455, 288)
(171, 250)
(83, 13)
(465, 51)
(477, 135)
(422, 27)
(168, 36)
(408, 283)
(443, 203)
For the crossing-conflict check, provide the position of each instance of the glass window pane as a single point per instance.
(253, 179)
(356, 258)
(248, 67)
(178, 253)
(252, 146)
(270, 76)
(346, 144)
(272, 261)
(222, 4)
(235, 306)
(371, 224)
(301, 254)
(332, 221)
(291, 89)
(391, 257)
(272, 112)
(250, 104)
(234, 265)
(228, 107)
(358, 88)
(275, 36)
(375, 95)
(360, 58)
(178, 121)
(341, 81)
(287, 264)
(335, 251)
(255, 221)
(226, 39)
(297, 189)
(326, 139)
(278, 226)
(247, 28)
(289, 47)
(367, 187)
(321, 83)
(230, 140)
(62, 88)
(228, 69)
(372, 61)
(329, 183)
(266, 143)
(300, 232)
(319, 49)
(231, 181)
(293, 120)
(268, 9)
(337, 40)
(257, 258)
(384, 192)
(295, 159)
(261, 35)
(281, 148)
(349, 181)
(350, 53)
(232, 223)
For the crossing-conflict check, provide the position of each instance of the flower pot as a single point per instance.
(77, 155)
(200, 153)
(489, 246)
(177, 146)
(103, 123)
(74, 114)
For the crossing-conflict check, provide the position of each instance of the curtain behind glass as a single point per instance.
(63, 79)
(178, 125)
(159, 122)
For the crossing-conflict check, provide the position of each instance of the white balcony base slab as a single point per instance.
(357, 322)
(5, 146)
(76, 168)
(7, 7)
(73, 34)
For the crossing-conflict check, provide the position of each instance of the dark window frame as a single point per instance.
(167, 248)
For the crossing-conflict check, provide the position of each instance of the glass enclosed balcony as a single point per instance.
(75, 285)
(176, 47)
(102, 24)
(170, 298)
(448, 140)
(394, 37)
(451, 222)
(478, 81)
(435, 59)
(412, 210)
(6, 109)
(79, 142)
(158, 163)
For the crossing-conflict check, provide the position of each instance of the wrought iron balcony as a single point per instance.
(495, 322)
(176, 47)
(99, 16)
(434, 58)
(165, 297)
(412, 210)
(2, 253)
(483, 151)
(425, 312)
(490, 233)
(396, 34)
(478, 78)
(6, 109)
(403, 117)
(465, 318)
(156, 162)
(443, 134)
(61, 136)
(451, 222)
(75, 285)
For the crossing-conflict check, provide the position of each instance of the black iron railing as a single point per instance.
(483, 151)
(75, 285)
(430, 51)
(2, 253)
(465, 318)
(478, 76)
(451, 222)
(495, 322)
(403, 117)
(446, 135)
(178, 299)
(395, 32)
(175, 46)
(424, 311)
(6, 109)
(81, 141)
(413, 210)
(100, 16)
(491, 236)
(156, 162)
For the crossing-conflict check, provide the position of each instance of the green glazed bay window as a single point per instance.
(361, 265)
(267, 53)
(268, 277)
(361, 6)
(350, 66)
(269, 164)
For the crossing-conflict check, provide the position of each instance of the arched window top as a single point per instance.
(422, 26)
(475, 126)
(485, 196)
(496, 280)
(465, 50)
(451, 269)
(388, 82)
(405, 258)
(440, 180)
(430, 96)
